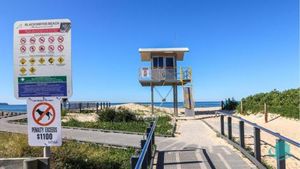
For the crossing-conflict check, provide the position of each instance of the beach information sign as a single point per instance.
(42, 58)
(44, 121)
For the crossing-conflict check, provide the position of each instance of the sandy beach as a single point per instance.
(138, 109)
(286, 127)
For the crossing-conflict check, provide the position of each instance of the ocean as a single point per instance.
(22, 108)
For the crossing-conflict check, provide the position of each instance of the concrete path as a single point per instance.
(197, 146)
(115, 139)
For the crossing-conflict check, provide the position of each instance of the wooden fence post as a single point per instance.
(242, 134)
(229, 123)
(266, 113)
(222, 124)
(257, 149)
(241, 107)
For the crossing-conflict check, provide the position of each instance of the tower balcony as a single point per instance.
(164, 76)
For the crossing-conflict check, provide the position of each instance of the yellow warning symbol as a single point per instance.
(23, 71)
(32, 70)
(42, 60)
(32, 61)
(23, 61)
(60, 60)
(51, 60)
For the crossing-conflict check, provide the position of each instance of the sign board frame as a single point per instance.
(39, 69)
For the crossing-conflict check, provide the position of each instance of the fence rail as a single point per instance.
(86, 105)
(280, 141)
(144, 159)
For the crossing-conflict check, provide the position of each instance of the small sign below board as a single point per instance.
(42, 58)
(44, 121)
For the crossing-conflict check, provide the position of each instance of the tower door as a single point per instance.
(170, 69)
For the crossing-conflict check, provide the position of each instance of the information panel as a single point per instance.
(42, 58)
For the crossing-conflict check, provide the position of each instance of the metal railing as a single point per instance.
(167, 74)
(280, 141)
(143, 160)
(80, 106)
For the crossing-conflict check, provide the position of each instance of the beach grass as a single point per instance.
(70, 155)
(164, 126)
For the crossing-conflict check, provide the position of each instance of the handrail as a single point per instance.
(278, 135)
(146, 147)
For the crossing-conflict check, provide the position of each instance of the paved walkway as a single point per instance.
(197, 146)
(115, 139)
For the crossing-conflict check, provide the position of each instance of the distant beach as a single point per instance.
(22, 108)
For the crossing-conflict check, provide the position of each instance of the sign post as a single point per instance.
(42, 75)
(188, 101)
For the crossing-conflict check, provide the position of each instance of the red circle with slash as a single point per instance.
(60, 48)
(32, 49)
(41, 39)
(42, 48)
(51, 39)
(22, 49)
(60, 39)
(51, 48)
(32, 40)
(23, 40)
(43, 114)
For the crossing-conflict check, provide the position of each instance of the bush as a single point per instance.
(285, 103)
(230, 104)
(116, 115)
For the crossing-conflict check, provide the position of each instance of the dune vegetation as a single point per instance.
(124, 120)
(285, 103)
(71, 155)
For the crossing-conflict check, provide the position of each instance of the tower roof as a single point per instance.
(147, 53)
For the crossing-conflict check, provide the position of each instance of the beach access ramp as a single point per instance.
(197, 146)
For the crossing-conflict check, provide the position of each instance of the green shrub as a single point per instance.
(230, 104)
(285, 103)
(116, 115)
(164, 126)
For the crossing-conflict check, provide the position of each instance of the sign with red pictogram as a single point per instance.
(60, 39)
(32, 40)
(23, 40)
(32, 49)
(23, 49)
(51, 39)
(51, 48)
(41, 39)
(60, 48)
(42, 48)
(44, 121)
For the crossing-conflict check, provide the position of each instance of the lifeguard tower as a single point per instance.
(164, 71)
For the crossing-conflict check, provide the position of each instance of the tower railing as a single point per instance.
(165, 74)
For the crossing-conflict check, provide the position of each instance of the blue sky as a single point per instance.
(237, 48)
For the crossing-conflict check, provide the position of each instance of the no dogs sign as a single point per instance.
(44, 121)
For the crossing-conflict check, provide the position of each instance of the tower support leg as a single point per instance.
(152, 100)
